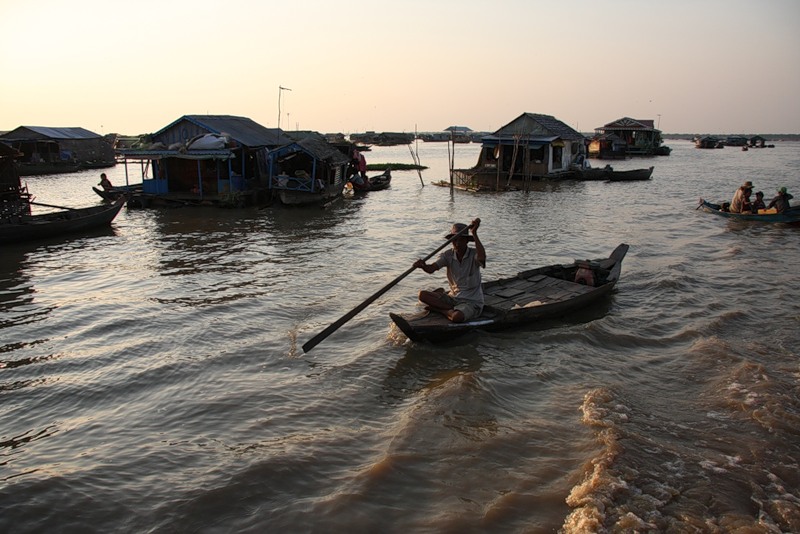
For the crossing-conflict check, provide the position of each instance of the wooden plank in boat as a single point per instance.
(493, 300)
(508, 292)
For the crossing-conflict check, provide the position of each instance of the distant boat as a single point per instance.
(26, 227)
(632, 175)
(790, 216)
(609, 173)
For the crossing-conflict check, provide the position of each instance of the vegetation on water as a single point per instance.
(395, 167)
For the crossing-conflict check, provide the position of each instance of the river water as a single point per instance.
(152, 380)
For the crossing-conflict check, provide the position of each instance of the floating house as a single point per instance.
(608, 146)
(382, 138)
(48, 150)
(639, 137)
(204, 159)
(13, 196)
(233, 161)
(531, 147)
(759, 142)
(707, 141)
(736, 140)
(307, 171)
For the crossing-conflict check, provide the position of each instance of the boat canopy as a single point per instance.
(221, 154)
(530, 142)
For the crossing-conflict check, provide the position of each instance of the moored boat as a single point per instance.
(531, 296)
(790, 216)
(116, 192)
(25, 227)
(629, 176)
(380, 181)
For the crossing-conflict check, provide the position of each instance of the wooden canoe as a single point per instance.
(540, 294)
(629, 176)
(24, 228)
(790, 216)
(115, 192)
(381, 181)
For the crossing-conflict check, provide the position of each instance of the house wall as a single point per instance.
(97, 150)
(89, 150)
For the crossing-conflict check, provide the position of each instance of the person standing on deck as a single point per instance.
(464, 301)
(362, 165)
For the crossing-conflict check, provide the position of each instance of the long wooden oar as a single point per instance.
(316, 340)
(51, 206)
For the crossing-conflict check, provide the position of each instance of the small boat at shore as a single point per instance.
(529, 297)
(25, 227)
(373, 183)
(608, 173)
(629, 176)
(790, 216)
(380, 181)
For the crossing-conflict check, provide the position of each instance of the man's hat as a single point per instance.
(459, 227)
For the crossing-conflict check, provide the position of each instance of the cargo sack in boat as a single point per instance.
(584, 275)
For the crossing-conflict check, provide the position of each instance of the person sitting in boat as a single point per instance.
(105, 182)
(781, 201)
(464, 301)
(741, 199)
(758, 203)
(359, 183)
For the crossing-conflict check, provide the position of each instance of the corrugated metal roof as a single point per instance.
(47, 132)
(317, 148)
(323, 150)
(627, 123)
(161, 154)
(541, 125)
(244, 130)
(528, 142)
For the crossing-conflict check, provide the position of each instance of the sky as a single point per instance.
(692, 66)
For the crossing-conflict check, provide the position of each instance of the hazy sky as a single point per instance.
(693, 66)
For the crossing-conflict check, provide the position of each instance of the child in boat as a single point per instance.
(758, 203)
(105, 182)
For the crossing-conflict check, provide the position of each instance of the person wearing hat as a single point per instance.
(464, 301)
(741, 199)
(781, 201)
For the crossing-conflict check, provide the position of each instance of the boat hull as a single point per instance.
(530, 297)
(290, 197)
(630, 176)
(27, 228)
(116, 192)
(790, 216)
(381, 181)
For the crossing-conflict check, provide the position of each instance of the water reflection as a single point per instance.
(425, 367)
(17, 290)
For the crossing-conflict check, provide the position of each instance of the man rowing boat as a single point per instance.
(464, 301)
